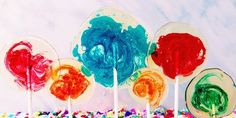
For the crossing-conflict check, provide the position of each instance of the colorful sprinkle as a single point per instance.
(123, 113)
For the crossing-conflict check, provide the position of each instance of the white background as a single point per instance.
(58, 21)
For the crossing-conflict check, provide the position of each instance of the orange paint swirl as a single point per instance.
(68, 82)
(151, 86)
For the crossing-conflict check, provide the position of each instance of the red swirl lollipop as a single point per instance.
(28, 61)
(179, 53)
(19, 61)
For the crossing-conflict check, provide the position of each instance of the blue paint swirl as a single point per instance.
(106, 45)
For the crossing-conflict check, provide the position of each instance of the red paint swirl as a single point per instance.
(70, 84)
(179, 54)
(19, 58)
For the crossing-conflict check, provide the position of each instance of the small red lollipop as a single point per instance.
(21, 63)
(28, 61)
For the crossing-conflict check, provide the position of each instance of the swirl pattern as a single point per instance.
(19, 59)
(208, 97)
(68, 82)
(105, 44)
(149, 85)
(179, 54)
(211, 94)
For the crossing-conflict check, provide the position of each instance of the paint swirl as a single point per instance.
(207, 95)
(179, 54)
(19, 58)
(150, 85)
(68, 81)
(105, 44)
(212, 92)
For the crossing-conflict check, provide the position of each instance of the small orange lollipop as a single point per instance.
(148, 86)
(70, 79)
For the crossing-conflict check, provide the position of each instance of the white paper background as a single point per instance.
(58, 21)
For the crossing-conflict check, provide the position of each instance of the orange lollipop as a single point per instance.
(148, 86)
(70, 80)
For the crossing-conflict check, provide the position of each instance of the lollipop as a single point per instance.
(107, 31)
(179, 52)
(211, 94)
(111, 41)
(71, 80)
(148, 86)
(28, 60)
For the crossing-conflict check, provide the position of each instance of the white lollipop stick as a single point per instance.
(29, 92)
(176, 97)
(115, 93)
(115, 80)
(29, 97)
(213, 111)
(148, 110)
(69, 107)
(29, 103)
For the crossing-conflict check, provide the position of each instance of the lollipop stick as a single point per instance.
(115, 80)
(115, 93)
(148, 110)
(29, 92)
(29, 95)
(69, 107)
(176, 97)
(213, 111)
